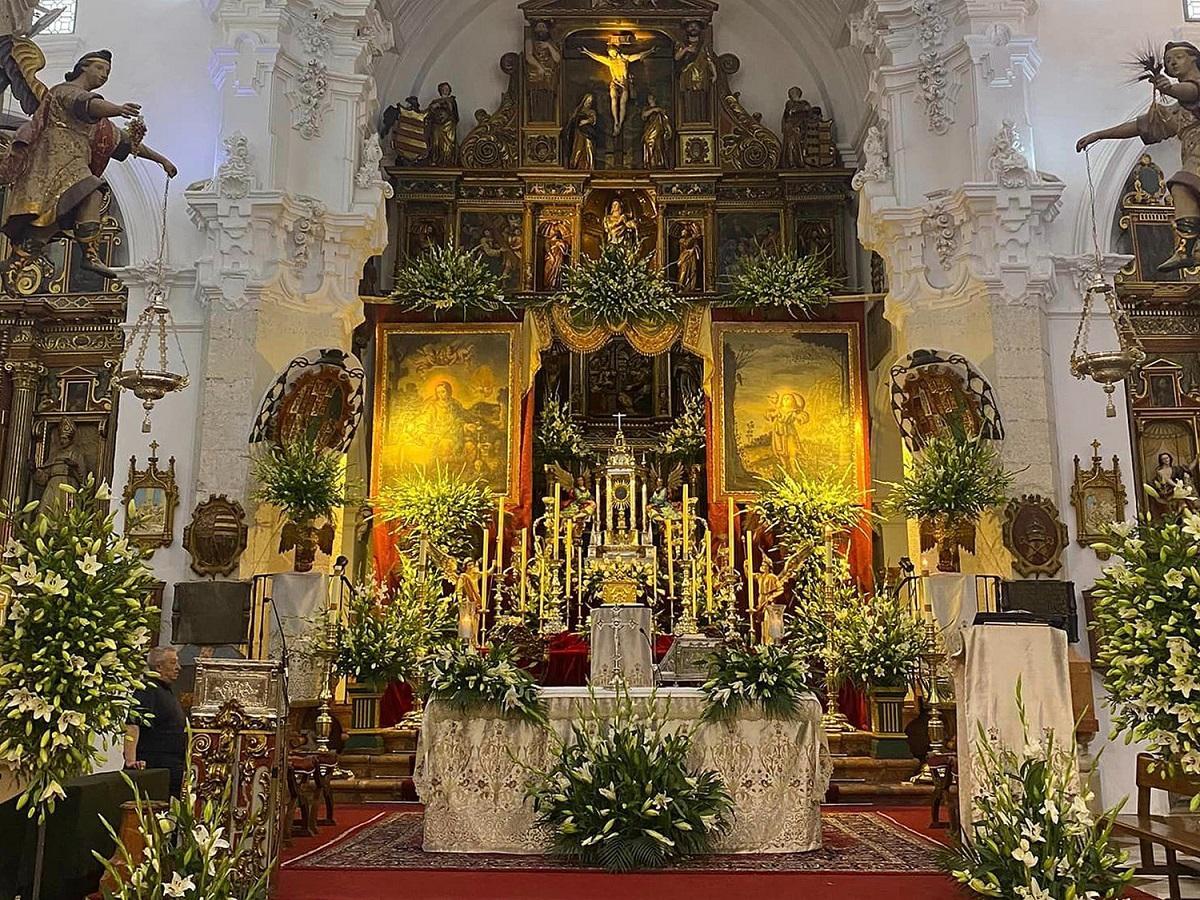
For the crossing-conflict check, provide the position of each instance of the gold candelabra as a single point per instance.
(932, 659)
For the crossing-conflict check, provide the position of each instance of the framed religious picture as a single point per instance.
(788, 397)
(498, 236)
(447, 396)
(1099, 500)
(153, 495)
(745, 233)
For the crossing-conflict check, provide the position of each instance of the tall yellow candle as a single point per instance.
(524, 573)
(542, 586)
(708, 571)
(749, 571)
(732, 521)
(483, 576)
(579, 586)
(670, 561)
(500, 537)
(557, 511)
(570, 556)
(686, 535)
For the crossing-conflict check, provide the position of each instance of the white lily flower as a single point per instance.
(178, 886)
(89, 565)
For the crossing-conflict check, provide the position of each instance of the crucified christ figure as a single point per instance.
(618, 64)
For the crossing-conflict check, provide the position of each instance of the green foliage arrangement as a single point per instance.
(685, 438)
(797, 508)
(807, 631)
(442, 508)
(444, 278)
(881, 644)
(771, 676)
(187, 852)
(618, 286)
(1148, 611)
(622, 794)
(801, 284)
(386, 635)
(954, 480)
(558, 437)
(301, 478)
(468, 680)
(73, 641)
(1032, 835)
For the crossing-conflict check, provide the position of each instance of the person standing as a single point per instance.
(159, 740)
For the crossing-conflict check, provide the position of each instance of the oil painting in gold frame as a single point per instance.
(447, 396)
(788, 397)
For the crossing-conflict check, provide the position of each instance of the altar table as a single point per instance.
(471, 772)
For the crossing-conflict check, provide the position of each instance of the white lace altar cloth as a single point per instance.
(472, 769)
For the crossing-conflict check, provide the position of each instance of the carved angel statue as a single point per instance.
(1181, 60)
(659, 506)
(577, 500)
(55, 165)
(771, 589)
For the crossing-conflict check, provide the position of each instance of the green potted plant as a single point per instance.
(1148, 615)
(1032, 833)
(878, 649)
(795, 282)
(384, 636)
(954, 480)
(307, 483)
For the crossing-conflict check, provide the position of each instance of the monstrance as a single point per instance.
(1107, 367)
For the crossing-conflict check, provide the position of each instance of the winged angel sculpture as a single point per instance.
(53, 166)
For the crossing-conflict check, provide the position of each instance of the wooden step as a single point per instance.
(875, 771)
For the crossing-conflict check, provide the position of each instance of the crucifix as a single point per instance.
(619, 417)
(619, 84)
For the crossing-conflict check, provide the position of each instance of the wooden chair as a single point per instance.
(1176, 833)
(945, 791)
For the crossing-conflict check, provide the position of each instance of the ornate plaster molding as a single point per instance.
(932, 27)
(875, 159)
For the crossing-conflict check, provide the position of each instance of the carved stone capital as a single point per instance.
(24, 373)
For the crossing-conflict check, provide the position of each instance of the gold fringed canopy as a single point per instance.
(542, 326)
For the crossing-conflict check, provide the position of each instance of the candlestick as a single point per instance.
(670, 563)
(483, 575)
(579, 589)
(569, 554)
(732, 526)
(524, 573)
(708, 571)
(687, 532)
(500, 534)
(828, 557)
(542, 585)
(645, 510)
(750, 573)
(557, 511)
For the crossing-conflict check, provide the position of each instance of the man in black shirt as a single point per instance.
(159, 740)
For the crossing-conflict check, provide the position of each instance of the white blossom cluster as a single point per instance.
(467, 679)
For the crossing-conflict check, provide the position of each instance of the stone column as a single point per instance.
(24, 374)
(951, 200)
(292, 214)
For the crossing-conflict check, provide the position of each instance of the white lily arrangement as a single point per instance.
(772, 677)
(1148, 612)
(72, 641)
(188, 853)
(469, 680)
(1032, 835)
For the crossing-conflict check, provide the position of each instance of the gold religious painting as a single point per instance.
(447, 397)
(789, 397)
(1099, 500)
(153, 495)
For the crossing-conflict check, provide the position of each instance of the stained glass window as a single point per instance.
(65, 23)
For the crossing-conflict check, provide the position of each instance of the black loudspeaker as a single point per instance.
(211, 612)
(1049, 600)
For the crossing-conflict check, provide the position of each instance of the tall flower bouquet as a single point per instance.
(444, 278)
(1032, 834)
(770, 676)
(439, 507)
(559, 439)
(72, 642)
(685, 438)
(468, 680)
(387, 634)
(622, 795)
(881, 644)
(186, 853)
(1148, 611)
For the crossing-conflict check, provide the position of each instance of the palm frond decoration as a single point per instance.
(445, 278)
(303, 479)
(440, 507)
(619, 286)
(801, 284)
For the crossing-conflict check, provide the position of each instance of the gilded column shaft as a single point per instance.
(24, 375)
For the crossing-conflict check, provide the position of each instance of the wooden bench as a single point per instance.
(1176, 833)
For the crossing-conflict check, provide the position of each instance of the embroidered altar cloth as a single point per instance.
(472, 768)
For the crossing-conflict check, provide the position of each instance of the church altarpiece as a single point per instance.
(60, 339)
(620, 115)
